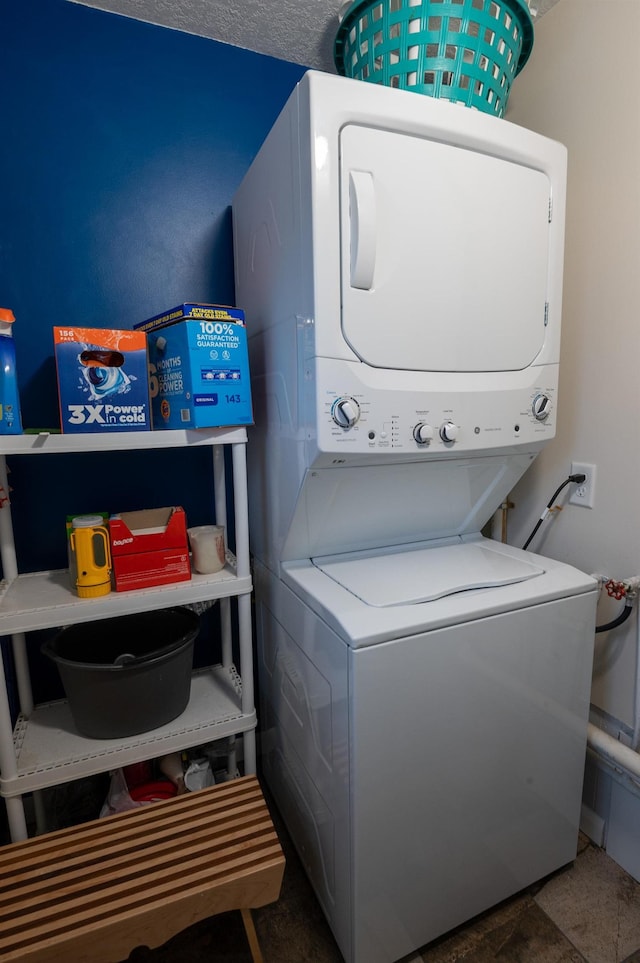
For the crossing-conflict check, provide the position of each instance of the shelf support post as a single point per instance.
(25, 694)
(220, 488)
(7, 544)
(8, 763)
(241, 513)
(16, 818)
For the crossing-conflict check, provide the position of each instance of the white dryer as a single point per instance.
(423, 690)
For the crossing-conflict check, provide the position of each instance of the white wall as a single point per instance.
(581, 87)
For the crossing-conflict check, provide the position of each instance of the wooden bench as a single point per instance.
(92, 893)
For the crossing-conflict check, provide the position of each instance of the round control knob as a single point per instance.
(541, 407)
(345, 412)
(423, 433)
(449, 431)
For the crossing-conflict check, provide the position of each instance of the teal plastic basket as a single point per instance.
(467, 51)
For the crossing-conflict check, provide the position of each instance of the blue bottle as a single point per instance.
(10, 421)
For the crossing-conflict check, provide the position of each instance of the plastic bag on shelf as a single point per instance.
(119, 799)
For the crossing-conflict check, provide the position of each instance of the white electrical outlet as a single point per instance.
(583, 494)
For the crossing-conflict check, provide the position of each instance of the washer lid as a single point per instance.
(407, 576)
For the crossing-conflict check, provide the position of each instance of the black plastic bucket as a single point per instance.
(126, 675)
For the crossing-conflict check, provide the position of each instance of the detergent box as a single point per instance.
(103, 382)
(198, 367)
(149, 547)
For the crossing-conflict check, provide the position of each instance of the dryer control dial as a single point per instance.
(345, 412)
(449, 431)
(541, 407)
(423, 433)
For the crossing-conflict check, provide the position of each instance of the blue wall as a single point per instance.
(123, 146)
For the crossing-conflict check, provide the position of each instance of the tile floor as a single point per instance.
(588, 912)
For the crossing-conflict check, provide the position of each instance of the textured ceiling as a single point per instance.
(301, 31)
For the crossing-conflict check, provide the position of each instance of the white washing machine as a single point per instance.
(423, 690)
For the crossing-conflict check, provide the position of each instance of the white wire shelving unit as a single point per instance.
(44, 748)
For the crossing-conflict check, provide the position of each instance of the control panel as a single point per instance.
(361, 419)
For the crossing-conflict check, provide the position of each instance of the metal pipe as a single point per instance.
(506, 505)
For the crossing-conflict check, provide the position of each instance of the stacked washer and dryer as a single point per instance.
(424, 690)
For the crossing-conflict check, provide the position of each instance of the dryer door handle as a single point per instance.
(362, 212)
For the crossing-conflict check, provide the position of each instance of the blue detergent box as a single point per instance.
(103, 384)
(198, 367)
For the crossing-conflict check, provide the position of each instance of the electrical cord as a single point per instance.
(577, 479)
(628, 589)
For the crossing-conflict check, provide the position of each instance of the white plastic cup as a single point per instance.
(207, 548)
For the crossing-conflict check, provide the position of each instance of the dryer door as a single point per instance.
(445, 254)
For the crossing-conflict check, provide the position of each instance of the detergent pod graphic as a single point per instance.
(102, 379)
(103, 372)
